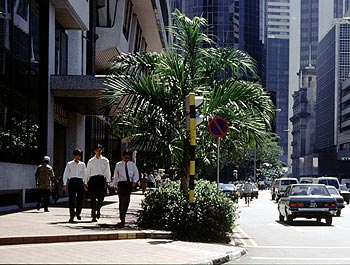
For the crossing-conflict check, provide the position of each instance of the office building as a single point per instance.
(51, 53)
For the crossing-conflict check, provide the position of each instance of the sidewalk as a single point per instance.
(21, 232)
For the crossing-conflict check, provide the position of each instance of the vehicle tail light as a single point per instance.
(330, 204)
(296, 204)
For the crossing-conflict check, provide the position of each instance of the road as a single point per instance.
(269, 241)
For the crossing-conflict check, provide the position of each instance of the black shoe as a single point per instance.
(121, 224)
(46, 210)
(78, 217)
(98, 214)
(70, 220)
(93, 220)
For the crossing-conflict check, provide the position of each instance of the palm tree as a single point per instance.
(147, 93)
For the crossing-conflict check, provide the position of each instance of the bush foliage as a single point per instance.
(210, 218)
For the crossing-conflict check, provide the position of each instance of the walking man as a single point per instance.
(43, 175)
(74, 173)
(98, 176)
(126, 175)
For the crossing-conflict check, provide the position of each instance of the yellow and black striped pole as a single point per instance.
(192, 101)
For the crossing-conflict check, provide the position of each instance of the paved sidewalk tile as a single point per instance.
(52, 235)
(137, 251)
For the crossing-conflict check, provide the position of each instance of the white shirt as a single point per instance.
(248, 187)
(98, 166)
(120, 174)
(74, 170)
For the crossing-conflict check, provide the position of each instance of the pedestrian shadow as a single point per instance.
(160, 242)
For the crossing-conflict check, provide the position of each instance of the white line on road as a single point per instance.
(301, 247)
(301, 259)
(249, 241)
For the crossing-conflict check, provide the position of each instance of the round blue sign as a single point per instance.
(218, 127)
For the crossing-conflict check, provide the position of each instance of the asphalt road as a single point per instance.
(269, 241)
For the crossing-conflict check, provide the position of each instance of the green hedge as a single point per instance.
(210, 218)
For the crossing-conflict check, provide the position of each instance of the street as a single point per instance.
(269, 241)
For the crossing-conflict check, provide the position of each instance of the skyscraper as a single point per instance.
(277, 65)
(317, 18)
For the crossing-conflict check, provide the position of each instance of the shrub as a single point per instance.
(210, 218)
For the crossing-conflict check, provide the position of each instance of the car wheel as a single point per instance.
(281, 218)
(328, 220)
(289, 219)
(338, 213)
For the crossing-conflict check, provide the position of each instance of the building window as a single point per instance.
(138, 38)
(61, 50)
(127, 18)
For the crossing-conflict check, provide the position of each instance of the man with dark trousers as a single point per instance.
(43, 176)
(98, 176)
(126, 175)
(74, 173)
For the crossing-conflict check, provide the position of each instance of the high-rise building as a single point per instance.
(333, 68)
(317, 18)
(277, 65)
(235, 23)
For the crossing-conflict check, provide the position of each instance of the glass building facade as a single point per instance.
(277, 62)
(22, 130)
(235, 23)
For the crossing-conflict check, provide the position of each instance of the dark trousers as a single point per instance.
(44, 198)
(75, 193)
(124, 192)
(96, 191)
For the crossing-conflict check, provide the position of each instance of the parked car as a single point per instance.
(307, 201)
(343, 190)
(283, 183)
(230, 190)
(340, 200)
(306, 180)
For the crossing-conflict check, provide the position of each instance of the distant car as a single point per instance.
(340, 200)
(282, 184)
(343, 190)
(307, 201)
(230, 190)
(328, 181)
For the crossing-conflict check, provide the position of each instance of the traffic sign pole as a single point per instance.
(218, 167)
(218, 127)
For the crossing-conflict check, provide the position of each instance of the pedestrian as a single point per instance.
(74, 174)
(43, 175)
(98, 176)
(54, 190)
(143, 181)
(151, 181)
(126, 176)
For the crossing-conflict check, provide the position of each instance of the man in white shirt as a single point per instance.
(98, 176)
(247, 190)
(126, 175)
(74, 173)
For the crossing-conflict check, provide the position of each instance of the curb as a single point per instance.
(84, 237)
(229, 256)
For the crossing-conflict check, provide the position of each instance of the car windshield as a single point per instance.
(285, 182)
(301, 190)
(333, 191)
